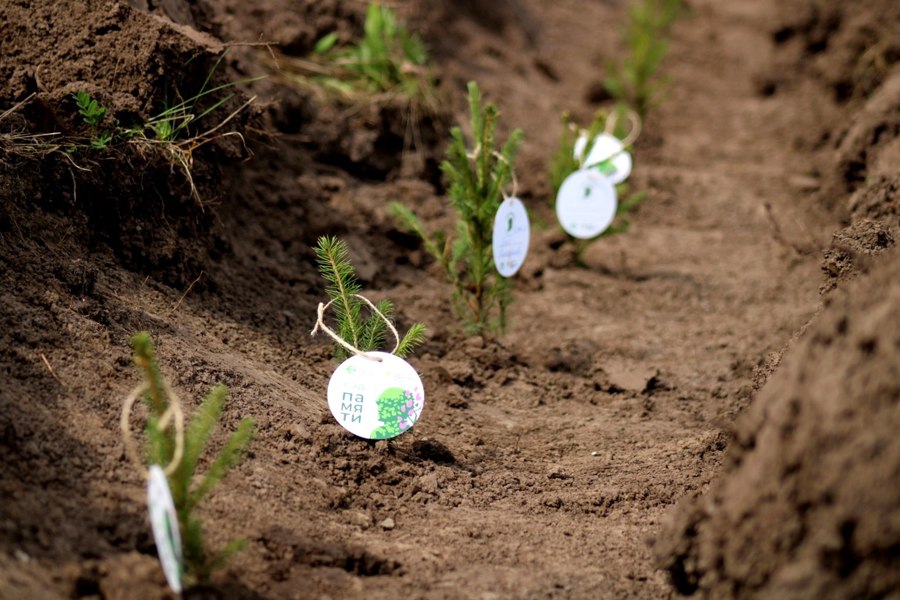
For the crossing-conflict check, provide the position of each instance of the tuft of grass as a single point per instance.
(333, 258)
(175, 130)
(636, 81)
(187, 484)
(477, 177)
(388, 58)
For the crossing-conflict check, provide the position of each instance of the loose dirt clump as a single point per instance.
(141, 198)
(804, 507)
(795, 512)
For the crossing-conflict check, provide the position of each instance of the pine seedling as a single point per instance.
(477, 178)
(564, 163)
(186, 492)
(333, 258)
(636, 81)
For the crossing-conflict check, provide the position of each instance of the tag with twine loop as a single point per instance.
(609, 128)
(172, 417)
(320, 324)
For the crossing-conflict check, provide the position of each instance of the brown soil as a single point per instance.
(807, 504)
(547, 458)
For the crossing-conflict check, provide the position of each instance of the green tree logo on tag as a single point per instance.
(398, 409)
(607, 167)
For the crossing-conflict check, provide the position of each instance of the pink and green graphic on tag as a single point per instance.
(398, 409)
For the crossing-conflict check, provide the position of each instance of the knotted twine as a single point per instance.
(320, 324)
(611, 122)
(172, 416)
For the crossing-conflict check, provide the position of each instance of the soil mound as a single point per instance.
(807, 507)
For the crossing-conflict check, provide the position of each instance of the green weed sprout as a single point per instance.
(92, 114)
(174, 128)
(636, 82)
(90, 109)
(564, 162)
(477, 179)
(333, 258)
(186, 494)
(174, 121)
(388, 58)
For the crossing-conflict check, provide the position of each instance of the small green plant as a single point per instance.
(333, 258)
(177, 119)
(186, 494)
(477, 178)
(564, 162)
(388, 58)
(636, 82)
(92, 114)
(174, 129)
(90, 109)
(101, 140)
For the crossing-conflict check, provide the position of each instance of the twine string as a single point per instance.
(320, 324)
(512, 174)
(633, 133)
(634, 130)
(172, 416)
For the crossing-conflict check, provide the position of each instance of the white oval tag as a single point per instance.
(376, 399)
(586, 204)
(607, 156)
(511, 236)
(164, 522)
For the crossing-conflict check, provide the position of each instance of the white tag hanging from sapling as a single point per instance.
(164, 522)
(512, 232)
(586, 204)
(607, 156)
(376, 395)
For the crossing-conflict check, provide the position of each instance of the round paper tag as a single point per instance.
(586, 204)
(607, 156)
(164, 522)
(376, 399)
(511, 235)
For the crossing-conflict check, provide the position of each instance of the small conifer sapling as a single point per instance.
(187, 485)
(365, 334)
(477, 178)
(564, 162)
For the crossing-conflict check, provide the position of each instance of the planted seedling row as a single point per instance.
(372, 393)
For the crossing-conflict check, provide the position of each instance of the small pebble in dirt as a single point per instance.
(387, 524)
(429, 484)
